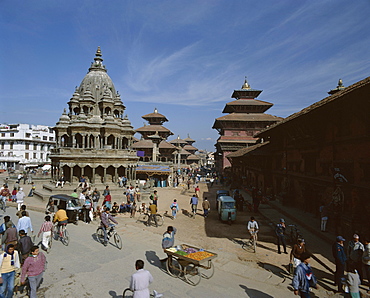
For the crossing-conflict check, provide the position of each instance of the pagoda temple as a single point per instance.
(94, 138)
(153, 145)
(246, 117)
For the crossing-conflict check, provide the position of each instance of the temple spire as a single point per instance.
(98, 61)
(246, 85)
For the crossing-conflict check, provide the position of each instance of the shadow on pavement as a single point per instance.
(153, 259)
(114, 294)
(255, 293)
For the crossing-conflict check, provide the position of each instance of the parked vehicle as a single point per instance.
(68, 203)
(221, 192)
(226, 209)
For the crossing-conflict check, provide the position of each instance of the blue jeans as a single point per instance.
(7, 285)
(35, 282)
(105, 231)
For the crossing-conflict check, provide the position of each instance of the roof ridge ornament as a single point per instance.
(155, 111)
(246, 85)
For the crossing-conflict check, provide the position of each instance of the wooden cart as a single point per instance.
(191, 270)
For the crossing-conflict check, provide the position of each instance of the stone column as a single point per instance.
(83, 136)
(83, 171)
(93, 175)
(73, 140)
(71, 175)
(97, 143)
(115, 175)
(105, 176)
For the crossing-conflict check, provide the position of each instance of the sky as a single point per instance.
(184, 58)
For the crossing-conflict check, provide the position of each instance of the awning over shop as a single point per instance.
(153, 169)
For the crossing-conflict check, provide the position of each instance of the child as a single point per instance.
(115, 208)
(133, 210)
(46, 229)
(353, 281)
(14, 195)
(142, 208)
(33, 187)
(174, 207)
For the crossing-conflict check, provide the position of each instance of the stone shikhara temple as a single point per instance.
(94, 138)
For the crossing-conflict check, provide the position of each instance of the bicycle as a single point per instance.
(129, 293)
(294, 234)
(252, 242)
(63, 234)
(111, 233)
(145, 219)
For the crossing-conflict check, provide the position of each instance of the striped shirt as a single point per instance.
(46, 226)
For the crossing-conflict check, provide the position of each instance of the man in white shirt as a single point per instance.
(252, 227)
(140, 281)
(24, 223)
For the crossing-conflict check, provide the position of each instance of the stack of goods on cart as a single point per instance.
(191, 253)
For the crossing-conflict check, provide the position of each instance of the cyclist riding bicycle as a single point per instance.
(252, 227)
(105, 217)
(60, 217)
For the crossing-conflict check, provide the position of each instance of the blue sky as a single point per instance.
(183, 57)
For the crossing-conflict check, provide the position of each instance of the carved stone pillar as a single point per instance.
(105, 176)
(93, 175)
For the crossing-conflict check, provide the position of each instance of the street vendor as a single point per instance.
(168, 239)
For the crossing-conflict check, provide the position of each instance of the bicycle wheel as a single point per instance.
(65, 237)
(100, 235)
(117, 240)
(128, 293)
(192, 274)
(254, 243)
(173, 267)
(207, 272)
(160, 220)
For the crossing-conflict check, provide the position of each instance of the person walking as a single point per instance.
(153, 210)
(303, 277)
(24, 245)
(46, 230)
(24, 223)
(353, 281)
(20, 198)
(295, 255)
(355, 251)
(140, 281)
(175, 208)
(340, 261)
(154, 198)
(33, 268)
(9, 262)
(324, 217)
(4, 194)
(206, 205)
(194, 204)
(280, 234)
(366, 260)
(10, 236)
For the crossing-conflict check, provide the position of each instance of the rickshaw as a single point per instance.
(226, 209)
(220, 193)
(68, 203)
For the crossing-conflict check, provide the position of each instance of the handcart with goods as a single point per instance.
(190, 262)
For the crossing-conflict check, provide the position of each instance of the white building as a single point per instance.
(24, 145)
